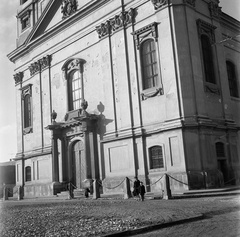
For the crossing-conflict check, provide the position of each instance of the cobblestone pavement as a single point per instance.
(86, 217)
(222, 219)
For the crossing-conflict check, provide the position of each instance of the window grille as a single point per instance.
(220, 149)
(156, 157)
(28, 173)
(232, 80)
(149, 64)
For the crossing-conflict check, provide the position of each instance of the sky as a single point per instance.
(8, 23)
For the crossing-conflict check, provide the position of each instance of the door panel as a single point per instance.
(79, 165)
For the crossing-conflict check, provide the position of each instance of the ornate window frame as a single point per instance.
(206, 31)
(70, 66)
(27, 109)
(149, 32)
(25, 19)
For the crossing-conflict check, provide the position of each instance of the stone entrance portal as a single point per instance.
(78, 165)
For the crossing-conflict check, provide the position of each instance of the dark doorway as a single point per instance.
(78, 165)
(222, 166)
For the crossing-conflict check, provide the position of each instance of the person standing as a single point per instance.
(142, 191)
(136, 188)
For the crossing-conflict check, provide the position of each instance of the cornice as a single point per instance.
(229, 21)
(23, 49)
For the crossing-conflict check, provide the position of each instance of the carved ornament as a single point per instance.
(45, 61)
(214, 9)
(26, 90)
(18, 77)
(71, 65)
(207, 29)
(113, 24)
(68, 8)
(39, 65)
(159, 3)
(147, 96)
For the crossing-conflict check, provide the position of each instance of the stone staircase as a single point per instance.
(78, 193)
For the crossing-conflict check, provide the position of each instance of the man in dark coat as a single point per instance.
(142, 191)
(136, 188)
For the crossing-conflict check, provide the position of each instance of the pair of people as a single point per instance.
(138, 189)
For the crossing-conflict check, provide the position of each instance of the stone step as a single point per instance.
(79, 192)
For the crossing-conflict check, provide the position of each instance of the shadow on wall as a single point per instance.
(102, 123)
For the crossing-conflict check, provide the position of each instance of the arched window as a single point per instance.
(208, 59)
(27, 108)
(232, 79)
(75, 90)
(27, 111)
(73, 73)
(28, 173)
(156, 157)
(220, 149)
(149, 65)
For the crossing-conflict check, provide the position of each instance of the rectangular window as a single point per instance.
(25, 22)
(232, 80)
(156, 157)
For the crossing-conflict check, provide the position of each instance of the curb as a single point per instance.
(154, 227)
(205, 195)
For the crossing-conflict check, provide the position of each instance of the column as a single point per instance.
(64, 161)
(55, 165)
(94, 155)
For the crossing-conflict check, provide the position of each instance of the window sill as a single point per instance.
(24, 29)
(151, 92)
(70, 115)
(235, 99)
(27, 130)
(151, 171)
(211, 88)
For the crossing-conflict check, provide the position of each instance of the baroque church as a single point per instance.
(108, 89)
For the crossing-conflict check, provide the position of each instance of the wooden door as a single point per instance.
(79, 165)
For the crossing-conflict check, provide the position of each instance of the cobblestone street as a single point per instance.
(81, 217)
(221, 220)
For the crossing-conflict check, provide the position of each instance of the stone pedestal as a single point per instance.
(19, 193)
(167, 191)
(96, 192)
(127, 189)
(5, 193)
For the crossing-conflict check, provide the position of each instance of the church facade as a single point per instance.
(113, 89)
